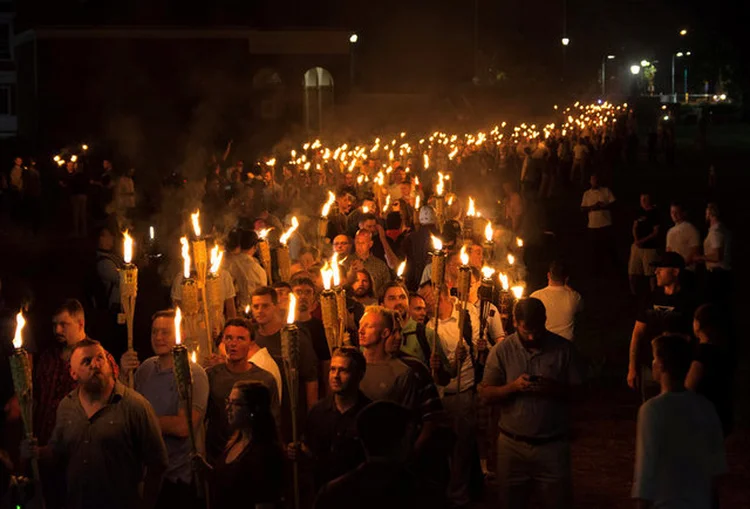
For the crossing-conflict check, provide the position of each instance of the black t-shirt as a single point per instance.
(665, 313)
(716, 383)
(647, 221)
(317, 332)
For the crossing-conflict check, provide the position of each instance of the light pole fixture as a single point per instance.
(610, 57)
(679, 54)
(604, 73)
(645, 63)
(683, 32)
(353, 38)
(635, 69)
(565, 41)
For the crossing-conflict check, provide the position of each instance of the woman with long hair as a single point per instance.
(250, 471)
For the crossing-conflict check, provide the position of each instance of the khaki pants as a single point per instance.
(543, 469)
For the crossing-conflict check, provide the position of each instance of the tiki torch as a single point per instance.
(489, 244)
(128, 292)
(343, 313)
(463, 287)
(264, 249)
(290, 356)
(183, 377)
(506, 301)
(323, 220)
(485, 294)
(200, 253)
(400, 272)
(438, 279)
(416, 213)
(328, 308)
(190, 301)
(20, 368)
(468, 224)
(440, 202)
(282, 252)
(213, 291)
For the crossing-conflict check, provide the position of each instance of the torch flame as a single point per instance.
(271, 162)
(195, 218)
(451, 198)
(18, 338)
(401, 269)
(327, 275)
(327, 205)
(177, 322)
(471, 212)
(185, 257)
(504, 281)
(440, 187)
(488, 233)
(511, 259)
(216, 255)
(365, 209)
(519, 241)
(127, 245)
(285, 237)
(437, 244)
(56, 158)
(194, 357)
(263, 234)
(151, 232)
(336, 270)
(487, 272)
(464, 256)
(292, 309)
(387, 203)
(247, 309)
(517, 292)
(426, 161)
(416, 202)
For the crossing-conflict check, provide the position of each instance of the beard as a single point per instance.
(96, 383)
(361, 291)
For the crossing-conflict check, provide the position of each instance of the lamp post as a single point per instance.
(679, 54)
(604, 72)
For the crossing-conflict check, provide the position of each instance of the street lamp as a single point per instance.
(645, 63)
(353, 38)
(679, 54)
(635, 69)
(604, 73)
(565, 41)
(683, 32)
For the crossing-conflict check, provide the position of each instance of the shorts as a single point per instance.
(641, 260)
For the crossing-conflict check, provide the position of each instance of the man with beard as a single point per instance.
(530, 375)
(52, 376)
(362, 288)
(239, 342)
(304, 290)
(364, 259)
(155, 380)
(339, 220)
(331, 439)
(106, 436)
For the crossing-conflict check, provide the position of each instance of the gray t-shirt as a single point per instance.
(104, 456)
(221, 381)
(528, 414)
(159, 388)
(391, 380)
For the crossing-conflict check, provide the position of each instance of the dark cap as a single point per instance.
(670, 260)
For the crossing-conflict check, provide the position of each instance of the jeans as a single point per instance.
(543, 469)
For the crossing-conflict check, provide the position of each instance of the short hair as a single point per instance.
(164, 313)
(382, 426)
(73, 307)
(711, 321)
(558, 271)
(363, 232)
(233, 240)
(281, 284)
(425, 284)
(371, 291)
(303, 281)
(266, 291)
(530, 310)
(678, 204)
(367, 217)
(388, 286)
(248, 239)
(356, 359)
(257, 398)
(675, 353)
(85, 343)
(713, 209)
(239, 322)
(413, 295)
(386, 316)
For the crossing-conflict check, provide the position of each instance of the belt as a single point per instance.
(533, 440)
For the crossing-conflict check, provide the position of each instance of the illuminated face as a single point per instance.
(371, 225)
(371, 330)
(305, 297)
(362, 245)
(476, 256)
(340, 375)
(162, 335)
(418, 309)
(397, 300)
(67, 329)
(264, 310)
(342, 245)
(236, 342)
(666, 276)
(238, 414)
(345, 203)
(307, 260)
(361, 285)
(283, 296)
(90, 368)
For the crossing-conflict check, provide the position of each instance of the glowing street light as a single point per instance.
(680, 54)
(565, 41)
(635, 69)
(610, 57)
(645, 63)
(353, 38)
(683, 32)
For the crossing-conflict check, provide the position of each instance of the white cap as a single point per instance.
(426, 215)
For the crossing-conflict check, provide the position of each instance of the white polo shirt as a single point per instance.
(682, 239)
(598, 218)
(562, 304)
(718, 238)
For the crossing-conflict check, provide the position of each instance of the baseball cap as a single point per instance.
(670, 260)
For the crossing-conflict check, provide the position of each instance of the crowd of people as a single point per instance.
(434, 391)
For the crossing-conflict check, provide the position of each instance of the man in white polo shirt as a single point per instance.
(597, 202)
(562, 302)
(683, 238)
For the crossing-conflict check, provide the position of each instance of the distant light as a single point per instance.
(680, 54)
(635, 69)
(645, 63)
(565, 41)
(723, 97)
(610, 57)
(683, 32)
(599, 101)
(688, 53)
(353, 38)
(666, 117)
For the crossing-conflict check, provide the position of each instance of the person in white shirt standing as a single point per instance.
(717, 249)
(597, 202)
(563, 304)
(683, 238)
(679, 445)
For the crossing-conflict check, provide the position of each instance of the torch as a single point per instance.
(265, 252)
(506, 302)
(290, 356)
(440, 202)
(328, 308)
(438, 278)
(463, 287)
(489, 244)
(190, 302)
(468, 226)
(416, 213)
(485, 294)
(20, 368)
(343, 313)
(400, 272)
(323, 220)
(128, 292)
(200, 253)
(282, 252)
(183, 377)
(213, 291)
